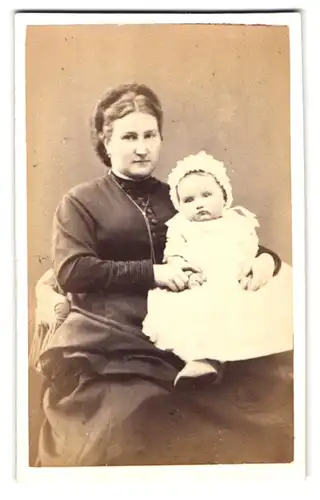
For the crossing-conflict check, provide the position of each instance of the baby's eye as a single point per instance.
(206, 194)
(188, 199)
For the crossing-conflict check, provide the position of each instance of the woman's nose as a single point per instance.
(141, 148)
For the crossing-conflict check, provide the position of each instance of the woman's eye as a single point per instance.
(206, 194)
(129, 137)
(150, 135)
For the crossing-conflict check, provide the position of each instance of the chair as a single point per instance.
(51, 308)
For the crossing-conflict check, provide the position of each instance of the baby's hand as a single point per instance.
(196, 279)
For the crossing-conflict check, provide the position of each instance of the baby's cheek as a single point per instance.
(188, 212)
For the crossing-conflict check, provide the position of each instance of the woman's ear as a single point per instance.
(105, 143)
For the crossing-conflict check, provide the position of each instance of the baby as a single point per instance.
(216, 319)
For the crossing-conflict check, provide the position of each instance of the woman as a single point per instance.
(109, 399)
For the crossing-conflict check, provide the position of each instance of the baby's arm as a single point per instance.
(249, 250)
(176, 246)
(257, 269)
(176, 253)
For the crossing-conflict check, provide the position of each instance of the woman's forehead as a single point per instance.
(135, 122)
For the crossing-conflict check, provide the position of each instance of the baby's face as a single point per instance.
(200, 197)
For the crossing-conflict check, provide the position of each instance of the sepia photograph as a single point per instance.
(160, 153)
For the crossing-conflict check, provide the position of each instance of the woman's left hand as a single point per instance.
(261, 272)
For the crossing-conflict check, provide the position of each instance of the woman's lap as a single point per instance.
(134, 420)
(85, 427)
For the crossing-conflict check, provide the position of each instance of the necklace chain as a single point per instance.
(146, 205)
(143, 212)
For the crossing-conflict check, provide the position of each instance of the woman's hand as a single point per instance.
(259, 273)
(173, 276)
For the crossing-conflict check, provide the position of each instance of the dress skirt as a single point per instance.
(223, 322)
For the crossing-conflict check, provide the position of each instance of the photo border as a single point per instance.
(26, 473)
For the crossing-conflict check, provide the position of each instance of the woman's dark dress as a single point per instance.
(110, 398)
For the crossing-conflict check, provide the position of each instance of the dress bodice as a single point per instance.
(220, 247)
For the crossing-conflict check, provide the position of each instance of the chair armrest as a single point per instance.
(52, 308)
(50, 303)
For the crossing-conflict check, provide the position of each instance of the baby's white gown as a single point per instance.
(219, 320)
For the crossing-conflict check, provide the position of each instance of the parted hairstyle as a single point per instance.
(116, 103)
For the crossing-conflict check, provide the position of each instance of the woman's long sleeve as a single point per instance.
(276, 258)
(77, 266)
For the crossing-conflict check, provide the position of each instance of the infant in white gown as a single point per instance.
(218, 320)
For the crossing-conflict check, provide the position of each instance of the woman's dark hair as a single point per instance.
(116, 103)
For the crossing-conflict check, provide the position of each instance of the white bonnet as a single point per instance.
(201, 162)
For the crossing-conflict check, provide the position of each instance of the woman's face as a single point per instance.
(200, 197)
(134, 145)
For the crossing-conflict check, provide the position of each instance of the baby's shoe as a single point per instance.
(200, 369)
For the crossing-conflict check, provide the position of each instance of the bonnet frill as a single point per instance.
(205, 163)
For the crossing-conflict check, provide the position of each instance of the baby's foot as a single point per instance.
(200, 368)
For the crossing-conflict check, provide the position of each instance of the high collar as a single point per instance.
(143, 186)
